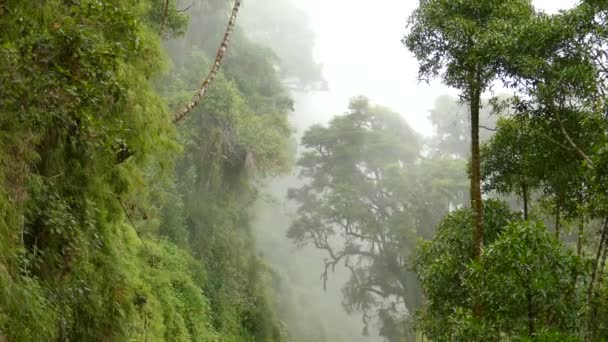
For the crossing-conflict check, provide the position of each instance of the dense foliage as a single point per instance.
(117, 224)
(114, 224)
(534, 280)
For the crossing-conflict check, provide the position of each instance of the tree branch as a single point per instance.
(196, 99)
(185, 9)
(572, 143)
(555, 141)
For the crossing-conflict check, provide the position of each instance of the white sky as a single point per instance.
(358, 43)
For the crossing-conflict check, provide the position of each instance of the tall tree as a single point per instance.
(358, 205)
(559, 63)
(455, 40)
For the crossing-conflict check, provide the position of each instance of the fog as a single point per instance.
(358, 44)
(274, 170)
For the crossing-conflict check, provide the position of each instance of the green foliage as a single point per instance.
(525, 281)
(166, 19)
(169, 297)
(528, 282)
(455, 39)
(240, 132)
(441, 265)
(88, 157)
(512, 158)
(75, 81)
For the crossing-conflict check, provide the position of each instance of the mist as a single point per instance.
(358, 45)
(303, 170)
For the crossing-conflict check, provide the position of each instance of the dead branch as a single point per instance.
(196, 99)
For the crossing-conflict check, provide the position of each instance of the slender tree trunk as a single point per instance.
(598, 256)
(594, 299)
(476, 203)
(602, 266)
(581, 236)
(591, 288)
(196, 99)
(524, 189)
(557, 216)
(531, 327)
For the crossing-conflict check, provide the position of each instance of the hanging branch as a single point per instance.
(196, 99)
(185, 9)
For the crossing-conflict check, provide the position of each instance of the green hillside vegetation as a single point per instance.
(116, 224)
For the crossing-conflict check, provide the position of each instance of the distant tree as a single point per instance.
(358, 205)
(450, 119)
(287, 29)
(444, 183)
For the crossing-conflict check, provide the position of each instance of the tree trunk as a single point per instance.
(524, 189)
(196, 99)
(531, 327)
(591, 319)
(598, 256)
(581, 236)
(476, 203)
(595, 301)
(558, 203)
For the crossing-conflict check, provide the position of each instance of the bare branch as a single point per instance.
(196, 99)
(184, 9)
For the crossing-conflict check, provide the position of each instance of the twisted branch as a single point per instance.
(196, 99)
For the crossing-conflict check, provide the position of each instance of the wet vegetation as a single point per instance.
(158, 183)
